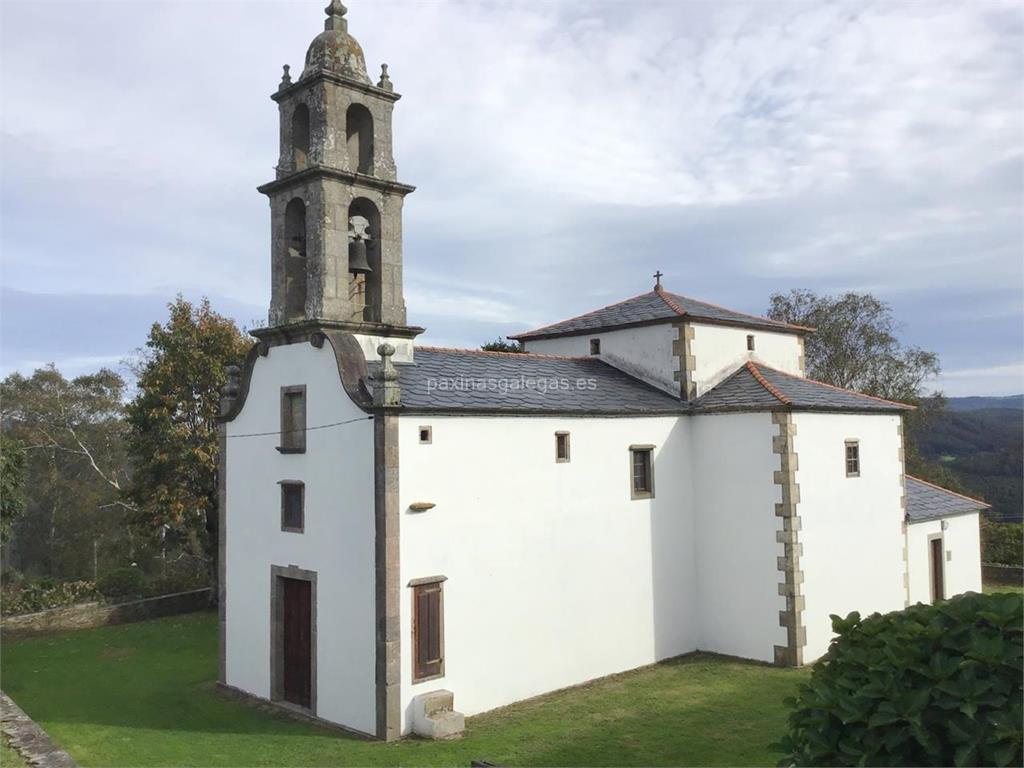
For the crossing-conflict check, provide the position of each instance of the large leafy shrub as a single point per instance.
(1002, 542)
(929, 685)
(122, 583)
(46, 594)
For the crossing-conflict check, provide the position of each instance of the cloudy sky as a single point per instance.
(562, 152)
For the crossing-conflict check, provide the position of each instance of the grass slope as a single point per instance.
(143, 694)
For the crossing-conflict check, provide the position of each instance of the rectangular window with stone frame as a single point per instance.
(562, 447)
(293, 419)
(293, 506)
(641, 468)
(852, 458)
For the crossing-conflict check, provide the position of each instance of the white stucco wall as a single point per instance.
(735, 495)
(720, 350)
(644, 352)
(338, 542)
(961, 543)
(851, 527)
(555, 576)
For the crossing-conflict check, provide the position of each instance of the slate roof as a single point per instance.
(757, 387)
(472, 380)
(656, 306)
(929, 502)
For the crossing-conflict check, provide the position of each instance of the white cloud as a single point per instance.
(563, 151)
(1005, 379)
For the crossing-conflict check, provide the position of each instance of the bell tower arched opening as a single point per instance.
(364, 262)
(359, 132)
(300, 137)
(295, 260)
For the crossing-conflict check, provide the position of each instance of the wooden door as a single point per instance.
(938, 582)
(297, 642)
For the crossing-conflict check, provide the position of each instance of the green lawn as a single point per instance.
(9, 758)
(143, 694)
(989, 588)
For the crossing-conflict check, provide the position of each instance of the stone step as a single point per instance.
(445, 725)
(438, 701)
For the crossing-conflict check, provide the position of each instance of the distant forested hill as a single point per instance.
(984, 403)
(984, 447)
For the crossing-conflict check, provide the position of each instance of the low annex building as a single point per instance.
(408, 530)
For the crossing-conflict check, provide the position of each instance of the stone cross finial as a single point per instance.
(336, 11)
(657, 279)
(385, 383)
(286, 78)
(385, 81)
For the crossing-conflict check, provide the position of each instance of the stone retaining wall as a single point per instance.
(29, 740)
(1009, 575)
(89, 615)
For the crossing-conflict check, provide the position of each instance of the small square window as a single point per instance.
(562, 447)
(852, 458)
(750, 343)
(641, 467)
(293, 501)
(426, 435)
(293, 420)
(595, 346)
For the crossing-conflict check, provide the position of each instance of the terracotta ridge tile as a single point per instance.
(671, 304)
(765, 383)
(951, 493)
(841, 389)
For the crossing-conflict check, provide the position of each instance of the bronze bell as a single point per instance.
(357, 261)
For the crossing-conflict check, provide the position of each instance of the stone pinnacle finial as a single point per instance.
(286, 78)
(385, 386)
(229, 392)
(385, 81)
(336, 11)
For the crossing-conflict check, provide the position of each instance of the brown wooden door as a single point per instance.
(938, 582)
(297, 645)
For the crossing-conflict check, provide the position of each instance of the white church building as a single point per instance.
(406, 531)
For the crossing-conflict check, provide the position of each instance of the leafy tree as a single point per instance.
(12, 485)
(501, 344)
(75, 469)
(173, 429)
(855, 346)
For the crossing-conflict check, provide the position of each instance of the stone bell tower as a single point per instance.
(336, 207)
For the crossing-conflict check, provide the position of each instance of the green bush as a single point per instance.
(46, 594)
(1002, 543)
(929, 685)
(122, 583)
